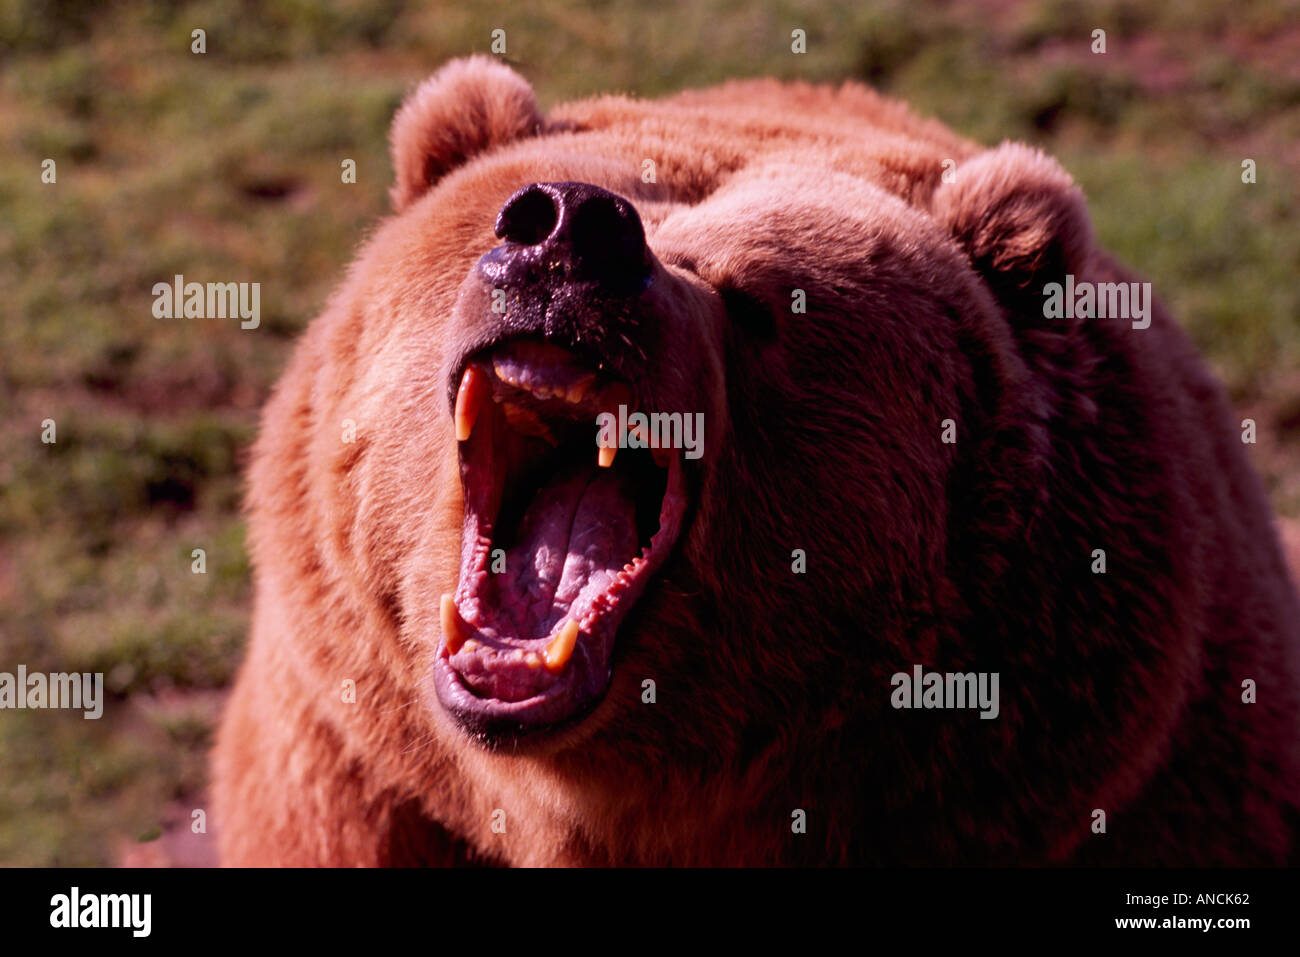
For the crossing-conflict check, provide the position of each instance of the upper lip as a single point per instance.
(567, 360)
(523, 408)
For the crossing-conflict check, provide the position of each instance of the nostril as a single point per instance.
(527, 218)
(605, 229)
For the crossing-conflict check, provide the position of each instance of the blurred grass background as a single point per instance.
(225, 166)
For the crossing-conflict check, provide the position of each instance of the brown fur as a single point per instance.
(1119, 691)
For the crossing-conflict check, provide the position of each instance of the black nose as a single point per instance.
(570, 232)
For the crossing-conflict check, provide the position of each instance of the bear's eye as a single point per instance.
(749, 313)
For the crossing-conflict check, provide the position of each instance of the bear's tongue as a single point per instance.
(575, 537)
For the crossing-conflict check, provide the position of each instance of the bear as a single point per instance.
(655, 456)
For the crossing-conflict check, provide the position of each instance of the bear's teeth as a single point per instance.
(561, 647)
(473, 392)
(454, 629)
(615, 399)
(579, 389)
(572, 394)
(505, 376)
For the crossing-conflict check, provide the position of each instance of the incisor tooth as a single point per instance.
(503, 375)
(579, 389)
(473, 392)
(454, 629)
(605, 456)
(561, 647)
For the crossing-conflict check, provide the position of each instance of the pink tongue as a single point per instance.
(575, 537)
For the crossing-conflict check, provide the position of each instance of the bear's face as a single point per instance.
(875, 454)
(797, 335)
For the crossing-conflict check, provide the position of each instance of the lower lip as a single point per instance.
(550, 707)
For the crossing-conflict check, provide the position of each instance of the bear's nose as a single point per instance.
(575, 232)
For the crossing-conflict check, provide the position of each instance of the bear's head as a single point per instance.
(676, 426)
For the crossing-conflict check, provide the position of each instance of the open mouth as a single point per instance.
(561, 537)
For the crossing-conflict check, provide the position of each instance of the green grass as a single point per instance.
(226, 165)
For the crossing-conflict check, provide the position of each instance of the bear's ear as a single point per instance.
(1020, 218)
(467, 107)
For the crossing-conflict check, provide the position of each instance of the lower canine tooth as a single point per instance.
(560, 650)
(454, 629)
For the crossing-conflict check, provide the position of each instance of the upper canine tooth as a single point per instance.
(560, 649)
(473, 392)
(454, 628)
(615, 399)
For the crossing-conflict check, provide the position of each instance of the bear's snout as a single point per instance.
(575, 271)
